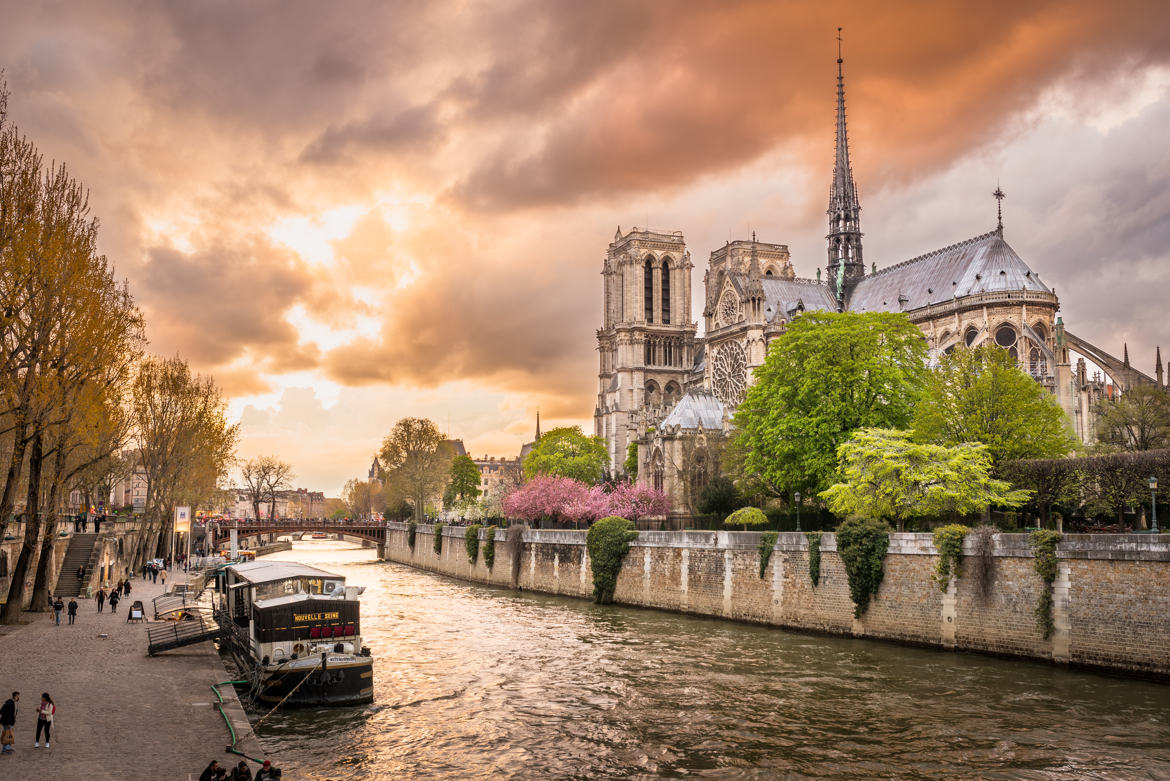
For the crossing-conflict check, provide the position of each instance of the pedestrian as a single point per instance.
(45, 713)
(242, 772)
(145, 571)
(7, 722)
(267, 772)
(210, 771)
(58, 606)
(126, 588)
(100, 596)
(163, 575)
(72, 609)
(114, 601)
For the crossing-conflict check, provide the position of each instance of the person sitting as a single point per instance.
(267, 772)
(242, 772)
(210, 772)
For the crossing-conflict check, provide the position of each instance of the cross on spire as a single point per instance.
(999, 195)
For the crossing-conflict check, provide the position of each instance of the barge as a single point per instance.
(296, 631)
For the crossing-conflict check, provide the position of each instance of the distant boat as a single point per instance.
(319, 536)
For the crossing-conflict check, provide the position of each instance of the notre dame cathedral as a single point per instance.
(672, 392)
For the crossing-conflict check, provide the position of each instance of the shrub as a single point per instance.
(1043, 543)
(438, 539)
(746, 516)
(489, 547)
(814, 557)
(862, 544)
(608, 542)
(949, 542)
(719, 497)
(767, 545)
(471, 541)
(411, 532)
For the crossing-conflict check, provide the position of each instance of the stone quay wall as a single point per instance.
(1111, 597)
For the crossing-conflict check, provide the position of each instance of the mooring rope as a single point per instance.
(269, 713)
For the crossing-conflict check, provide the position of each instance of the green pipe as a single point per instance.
(232, 748)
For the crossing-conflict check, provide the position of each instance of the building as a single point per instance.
(670, 393)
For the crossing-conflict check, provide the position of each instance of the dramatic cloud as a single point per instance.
(353, 213)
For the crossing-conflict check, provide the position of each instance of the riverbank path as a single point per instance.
(120, 713)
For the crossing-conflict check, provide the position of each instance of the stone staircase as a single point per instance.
(78, 554)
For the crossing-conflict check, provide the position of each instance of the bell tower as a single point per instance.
(646, 345)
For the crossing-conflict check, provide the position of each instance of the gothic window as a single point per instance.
(668, 348)
(648, 290)
(3, 564)
(730, 371)
(653, 399)
(666, 292)
(969, 337)
(699, 475)
(728, 308)
(1041, 331)
(1005, 337)
(649, 357)
(768, 273)
(671, 393)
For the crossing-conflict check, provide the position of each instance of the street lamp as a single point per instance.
(797, 497)
(1153, 504)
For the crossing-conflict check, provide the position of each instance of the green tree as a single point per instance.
(631, 463)
(567, 452)
(463, 488)
(885, 475)
(418, 460)
(1138, 420)
(981, 395)
(828, 375)
(719, 497)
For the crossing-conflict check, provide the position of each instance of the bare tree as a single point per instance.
(418, 460)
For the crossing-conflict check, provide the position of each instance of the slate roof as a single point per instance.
(983, 264)
(696, 407)
(783, 297)
(268, 571)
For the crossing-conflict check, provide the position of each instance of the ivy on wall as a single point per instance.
(982, 564)
(1043, 543)
(438, 539)
(862, 544)
(608, 542)
(814, 557)
(471, 542)
(411, 533)
(489, 547)
(767, 544)
(948, 540)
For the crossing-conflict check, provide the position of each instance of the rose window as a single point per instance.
(728, 309)
(730, 370)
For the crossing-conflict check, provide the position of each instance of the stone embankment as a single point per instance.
(1111, 597)
(120, 714)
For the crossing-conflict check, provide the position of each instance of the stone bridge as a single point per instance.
(268, 531)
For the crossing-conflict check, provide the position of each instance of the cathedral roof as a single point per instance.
(697, 408)
(983, 264)
(785, 297)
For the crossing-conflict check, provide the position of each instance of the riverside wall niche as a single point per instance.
(1111, 596)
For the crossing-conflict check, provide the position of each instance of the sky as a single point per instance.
(349, 213)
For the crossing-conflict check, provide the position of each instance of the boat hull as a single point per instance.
(343, 681)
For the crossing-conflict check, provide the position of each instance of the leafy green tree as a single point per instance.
(418, 460)
(745, 517)
(631, 463)
(1138, 420)
(828, 375)
(463, 488)
(567, 452)
(885, 475)
(719, 497)
(981, 395)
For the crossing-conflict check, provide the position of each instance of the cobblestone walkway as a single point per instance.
(120, 713)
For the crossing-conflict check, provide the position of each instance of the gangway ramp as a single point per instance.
(180, 633)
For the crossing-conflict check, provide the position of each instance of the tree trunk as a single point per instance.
(15, 467)
(32, 529)
(40, 594)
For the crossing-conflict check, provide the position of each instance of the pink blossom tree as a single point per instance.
(634, 501)
(591, 504)
(544, 497)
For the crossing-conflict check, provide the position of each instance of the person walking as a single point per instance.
(58, 606)
(163, 576)
(114, 601)
(45, 713)
(100, 596)
(7, 723)
(72, 609)
(126, 588)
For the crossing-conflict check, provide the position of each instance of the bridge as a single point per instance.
(268, 530)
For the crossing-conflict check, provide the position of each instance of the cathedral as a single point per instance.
(667, 394)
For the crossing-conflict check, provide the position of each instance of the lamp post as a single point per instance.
(797, 497)
(1153, 504)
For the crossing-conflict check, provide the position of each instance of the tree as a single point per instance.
(544, 497)
(1138, 420)
(719, 497)
(827, 376)
(463, 488)
(745, 517)
(264, 477)
(631, 463)
(1050, 480)
(417, 460)
(567, 452)
(637, 500)
(885, 475)
(981, 395)
(359, 497)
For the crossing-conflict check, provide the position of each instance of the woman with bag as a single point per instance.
(45, 713)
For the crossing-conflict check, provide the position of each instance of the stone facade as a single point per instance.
(1112, 597)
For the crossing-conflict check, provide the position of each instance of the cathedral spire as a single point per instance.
(538, 424)
(999, 195)
(846, 266)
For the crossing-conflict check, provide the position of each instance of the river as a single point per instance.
(473, 682)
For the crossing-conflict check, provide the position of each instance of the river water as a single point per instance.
(472, 682)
